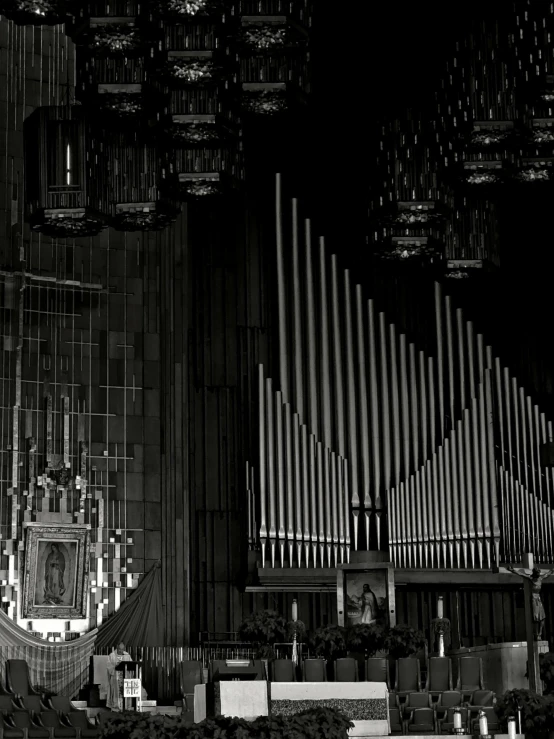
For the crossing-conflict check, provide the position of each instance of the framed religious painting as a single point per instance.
(365, 594)
(55, 578)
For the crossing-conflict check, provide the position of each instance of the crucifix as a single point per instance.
(535, 616)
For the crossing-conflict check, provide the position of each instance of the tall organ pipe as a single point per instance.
(324, 354)
(270, 436)
(440, 354)
(395, 401)
(297, 318)
(298, 491)
(311, 331)
(362, 397)
(262, 421)
(337, 360)
(351, 405)
(290, 475)
(281, 292)
(281, 479)
(385, 410)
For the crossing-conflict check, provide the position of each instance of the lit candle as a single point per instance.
(294, 610)
(440, 607)
(457, 718)
(511, 727)
(483, 724)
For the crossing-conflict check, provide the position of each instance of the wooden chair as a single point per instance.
(470, 675)
(192, 674)
(422, 721)
(8, 731)
(51, 721)
(408, 676)
(79, 720)
(314, 671)
(395, 721)
(377, 670)
(439, 675)
(346, 670)
(19, 681)
(62, 704)
(282, 671)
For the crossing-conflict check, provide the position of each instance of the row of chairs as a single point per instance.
(427, 713)
(47, 725)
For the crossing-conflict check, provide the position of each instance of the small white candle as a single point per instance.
(440, 607)
(294, 610)
(483, 724)
(457, 719)
(511, 727)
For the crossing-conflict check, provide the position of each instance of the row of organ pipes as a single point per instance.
(369, 442)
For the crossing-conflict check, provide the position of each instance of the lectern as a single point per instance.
(132, 685)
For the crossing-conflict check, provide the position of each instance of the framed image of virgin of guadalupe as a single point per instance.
(365, 594)
(55, 578)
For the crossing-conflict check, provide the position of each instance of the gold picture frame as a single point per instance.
(365, 594)
(56, 571)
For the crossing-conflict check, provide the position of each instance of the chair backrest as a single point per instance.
(314, 671)
(79, 720)
(470, 673)
(376, 670)
(32, 703)
(22, 719)
(439, 676)
(6, 704)
(394, 719)
(50, 719)
(282, 671)
(450, 698)
(61, 703)
(17, 671)
(417, 700)
(259, 665)
(423, 716)
(482, 698)
(192, 674)
(407, 675)
(346, 670)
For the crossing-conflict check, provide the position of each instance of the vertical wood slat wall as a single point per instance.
(467, 486)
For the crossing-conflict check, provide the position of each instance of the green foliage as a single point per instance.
(297, 628)
(403, 641)
(263, 627)
(442, 625)
(536, 711)
(317, 723)
(546, 664)
(367, 638)
(328, 642)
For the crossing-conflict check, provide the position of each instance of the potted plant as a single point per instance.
(263, 629)
(403, 641)
(366, 639)
(329, 642)
(546, 664)
(536, 712)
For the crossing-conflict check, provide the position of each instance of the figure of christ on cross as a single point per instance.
(536, 576)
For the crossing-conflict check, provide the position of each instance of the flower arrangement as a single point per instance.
(329, 642)
(69, 227)
(202, 187)
(296, 629)
(366, 638)
(488, 138)
(265, 102)
(536, 711)
(483, 178)
(191, 70)
(442, 626)
(263, 629)
(194, 133)
(37, 12)
(153, 220)
(457, 274)
(547, 97)
(122, 103)
(404, 641)
(534, 174)
(188, 8)
(408, 251)
(543, 136)
(266, 37)
(115, 38)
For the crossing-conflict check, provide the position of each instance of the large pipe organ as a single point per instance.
(372, 439)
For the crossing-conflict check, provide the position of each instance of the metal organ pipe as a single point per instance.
(297, 318)
(281, 294)
(337, 360)
(311, 335)
(362, 410)
(325, 372)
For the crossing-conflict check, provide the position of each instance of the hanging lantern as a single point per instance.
(189, 9)
(36, 12)
(125, 176)
(57, 180)
(198, 172)
(274, 56)
(115, 86)
(111, 29)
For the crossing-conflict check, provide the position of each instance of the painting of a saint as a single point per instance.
(56, 571)
(366, 597)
